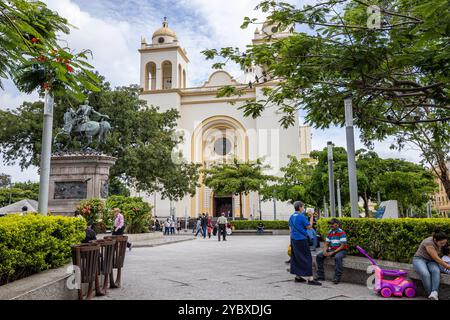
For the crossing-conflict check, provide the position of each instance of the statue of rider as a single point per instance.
(85, 111)
(69, 120)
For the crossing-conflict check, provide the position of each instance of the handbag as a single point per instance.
(215, 230)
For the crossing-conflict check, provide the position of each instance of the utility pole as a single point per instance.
(260, 212)
(274, 206)
(331, 179)
(338, 184)
(46, 153)
(325, 207)
(353, 186)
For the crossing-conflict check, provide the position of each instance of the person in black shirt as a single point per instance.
(90, 235)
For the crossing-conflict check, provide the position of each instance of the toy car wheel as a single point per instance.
(410, 292)
(386, 292)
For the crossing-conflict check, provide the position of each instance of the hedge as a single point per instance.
(388, 239)
(253, 224)
(32, 243)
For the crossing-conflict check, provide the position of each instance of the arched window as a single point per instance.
(184, 78)
(167, 75)
(150, 76)
(180, 80)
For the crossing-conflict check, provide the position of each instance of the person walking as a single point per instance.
(178, 225)
(198, 227)
(166, 227)
(301, 259)
(172, 226)
(119, 225)
(222, 225)
(204, 223)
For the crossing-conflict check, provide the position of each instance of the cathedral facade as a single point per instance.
(214, 129)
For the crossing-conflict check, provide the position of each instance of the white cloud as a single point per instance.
(111, 42)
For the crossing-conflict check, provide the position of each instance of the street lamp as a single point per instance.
(331, 179)
(46, 153)
(338, 184)
(351, 161)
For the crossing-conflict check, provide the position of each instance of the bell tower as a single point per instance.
(163, 66)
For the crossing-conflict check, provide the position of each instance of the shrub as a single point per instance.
(387, 239)
(32, 243)
(92, 210)
(253, 224)
(137, 212)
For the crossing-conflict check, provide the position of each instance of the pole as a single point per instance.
(325, 207)
(378, 197)
(46, 153)
(185, 219)
(260, 212)
(154, 203)
(353, 186)
(331, 179)
(338, 184)
(274, 206)
(429, 209)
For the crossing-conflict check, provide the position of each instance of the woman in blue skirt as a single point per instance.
(301, 259)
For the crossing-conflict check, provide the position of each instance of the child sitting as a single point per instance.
(446, 258)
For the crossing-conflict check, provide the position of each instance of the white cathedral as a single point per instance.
(214, 129)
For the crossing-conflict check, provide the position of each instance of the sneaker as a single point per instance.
(433, 296)
(313, 283)
(336, 281)
(299, 279)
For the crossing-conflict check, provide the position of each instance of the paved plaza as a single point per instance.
(243, 268)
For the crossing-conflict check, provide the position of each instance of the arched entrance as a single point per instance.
(218, 139)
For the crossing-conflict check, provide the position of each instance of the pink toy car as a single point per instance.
(399, 286)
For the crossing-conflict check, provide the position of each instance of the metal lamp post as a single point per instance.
(44, 172)
(331, 179)
(338, 188)
(353, 186)
(274, 205)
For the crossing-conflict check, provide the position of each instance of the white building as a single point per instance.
(215, 130)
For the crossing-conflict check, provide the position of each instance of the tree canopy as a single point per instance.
(392, 56)
(237, 178)
(31, 53)
(142, 138)
(410, 184)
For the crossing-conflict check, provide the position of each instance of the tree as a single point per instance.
(142, 139)
(237, 178)
(5, 180)
(397, 70)
(31, 55)
(294, 185)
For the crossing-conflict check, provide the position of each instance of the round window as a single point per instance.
(161, 40)
(222, 146)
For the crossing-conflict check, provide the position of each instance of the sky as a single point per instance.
(112, 30)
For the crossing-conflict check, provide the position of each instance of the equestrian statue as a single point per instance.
(78, 124)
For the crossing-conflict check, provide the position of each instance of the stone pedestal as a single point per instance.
(76, 177)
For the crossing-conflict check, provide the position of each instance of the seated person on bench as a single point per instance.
(260, 228)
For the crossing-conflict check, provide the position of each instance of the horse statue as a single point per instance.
(78, 125)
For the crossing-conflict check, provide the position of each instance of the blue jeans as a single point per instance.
(429, 273)
(312, 234)
(338, 265)
(204, 231)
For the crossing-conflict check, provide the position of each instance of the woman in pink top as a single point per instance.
(119, 225)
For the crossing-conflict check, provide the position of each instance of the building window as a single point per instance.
(167, 74)
(222, 146)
